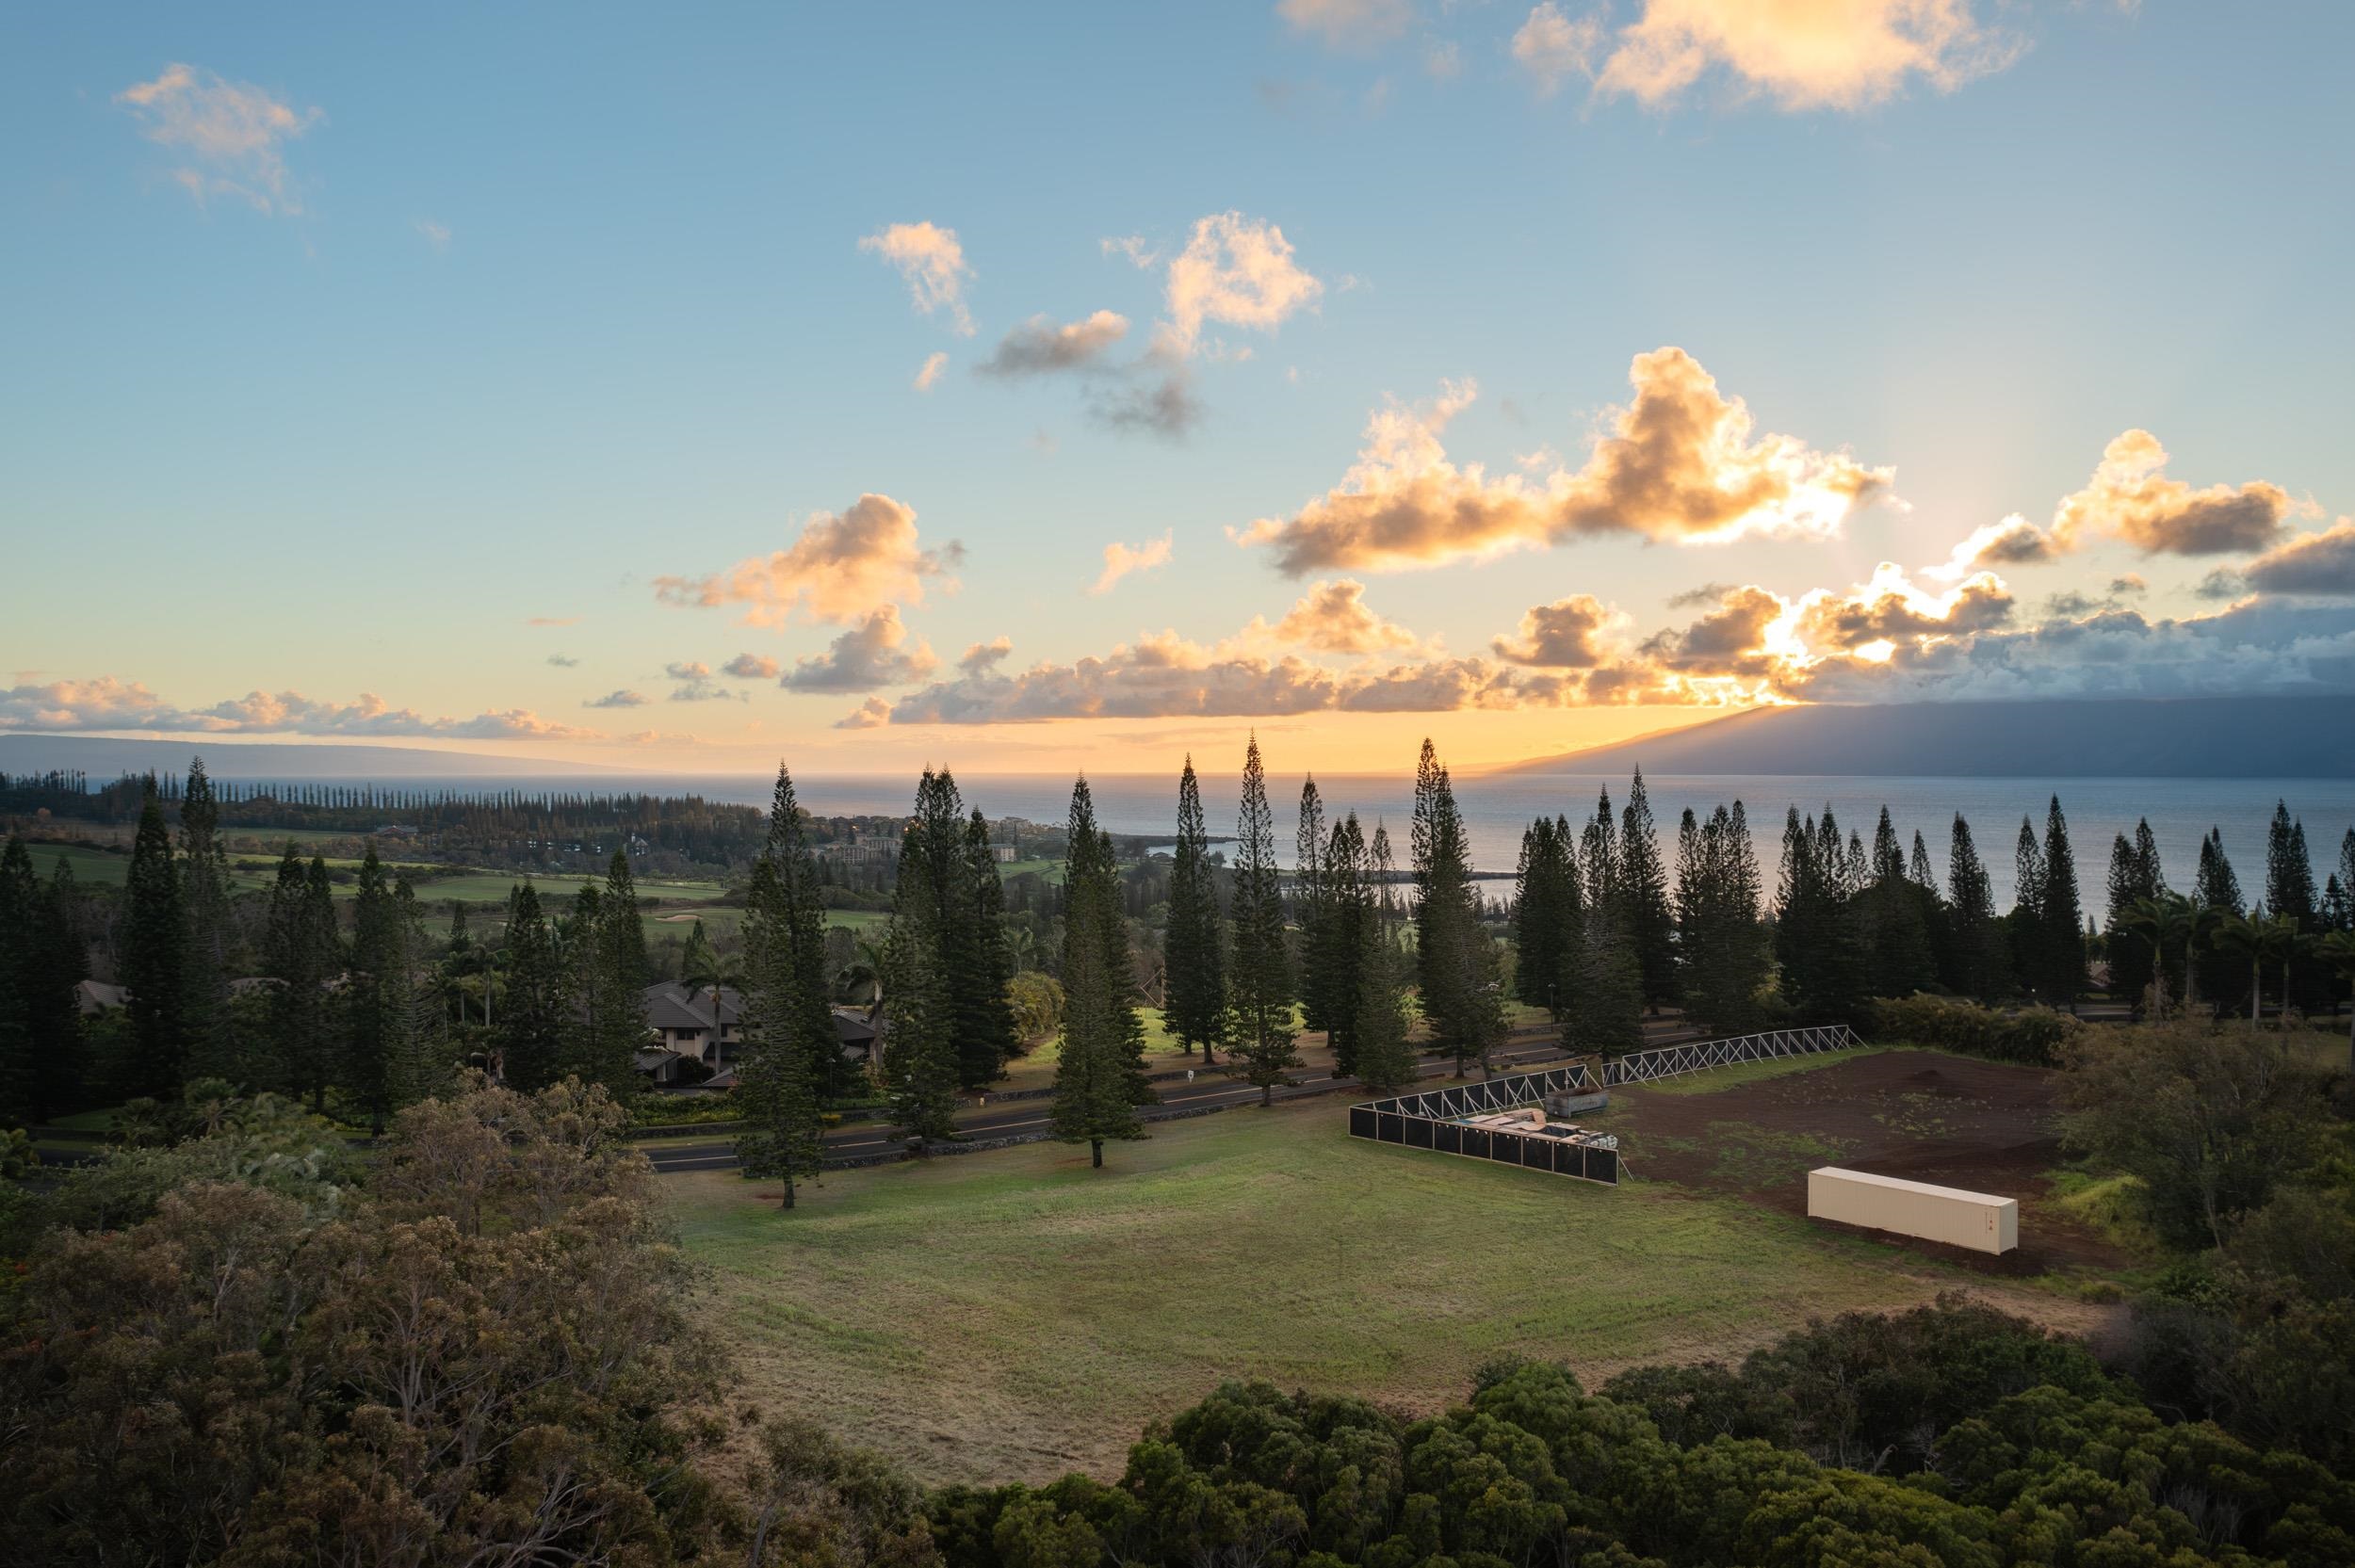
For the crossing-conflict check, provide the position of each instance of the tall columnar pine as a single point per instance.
(1335, 962)
(988, 1037)
(1536, 917)
(1384, 1058)
(299, 952)
(376, 1007)
(791, 1050)
(1646, 918)
(213, 1048)
(2134, 878)
(1894, 914)
(919, 1041)
(154, 951)
(2030, 961)
(1099, 1079)
(535, 1010)
(1982, 963)
(23, 913)
(1308, 905)
(1261, 1034)
(1455, 961)
(2290, 893)
(1723, 949)
(1196, 950)
(2064, 943)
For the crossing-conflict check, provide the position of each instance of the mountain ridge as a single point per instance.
(2184, 738)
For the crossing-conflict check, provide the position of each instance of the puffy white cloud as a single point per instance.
(1334, 618)
(233, 133)
(840, 567)
(1235, 271)
(1568, 634)
(1347, 24)
(751, 667)
(1043, 345)
(2321, 565)
(2130, 498)
(932, 261)
(695, 685)
(873, 654)
(984, 655)
(872, 714)
(1553, 48)
(1121, 559)
(1803, 53)
(1679, 463)
(108, 703)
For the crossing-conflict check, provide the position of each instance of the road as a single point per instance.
(1209, 1092)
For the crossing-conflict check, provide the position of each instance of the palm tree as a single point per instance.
(2263, 939)
(2337, 949)
(2168, 920)
(703, 968)
(861, 979)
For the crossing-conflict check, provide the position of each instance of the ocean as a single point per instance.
(1497, 809)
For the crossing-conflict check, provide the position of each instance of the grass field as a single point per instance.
(1016, 1315)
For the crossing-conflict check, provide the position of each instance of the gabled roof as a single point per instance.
(671, 1005)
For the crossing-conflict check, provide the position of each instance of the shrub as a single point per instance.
(2032, 1035)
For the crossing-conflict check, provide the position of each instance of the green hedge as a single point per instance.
(2032, 1035)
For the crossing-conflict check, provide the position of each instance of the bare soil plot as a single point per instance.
(1923, 1115)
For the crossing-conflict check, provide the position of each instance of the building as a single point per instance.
(701, 1026)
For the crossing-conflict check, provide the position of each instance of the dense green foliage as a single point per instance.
(790, 1048)
(1099, 1077)
(1260, 1030)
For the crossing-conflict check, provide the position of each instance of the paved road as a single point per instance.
(1211, 1090)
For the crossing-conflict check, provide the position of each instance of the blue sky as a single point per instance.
(504, 316)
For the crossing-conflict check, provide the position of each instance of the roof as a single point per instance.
(695, 1000)
(97, 996)
(853, 1028)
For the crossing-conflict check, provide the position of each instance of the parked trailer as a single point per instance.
(1980, 1221)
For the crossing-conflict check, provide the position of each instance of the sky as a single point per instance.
(1023, 388)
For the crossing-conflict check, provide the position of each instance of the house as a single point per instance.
(93, 998)
(704, 1025)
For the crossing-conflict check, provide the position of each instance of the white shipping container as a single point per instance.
(1980, 1221)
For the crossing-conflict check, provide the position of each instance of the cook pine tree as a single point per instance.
(1259, 1032)
(1195, 947)
(1099, 1076)
(790, 1043)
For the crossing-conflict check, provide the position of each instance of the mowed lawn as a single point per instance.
(1014, 1315)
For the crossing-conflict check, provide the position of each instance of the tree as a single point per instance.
(2064, 943)
(1724, 952)
(1455, 961)
(2290, 893)
(23, 913)
(1546, 913)
(1336, 958)
(2134, 878)
(2262, 939)
(533, 1023)
(212, 1044)
(1645, 918)
(1383, 1057)
(377, 1001)
(1196, 1006)
(2337, 949)
(1309, 906)
(1099, 1079)
(153, 958)
(986, 1038)
(300, 951)
(791, 1049)
(1981, 960)
(2217, 887)
(1260, 1032)
(919, 1055)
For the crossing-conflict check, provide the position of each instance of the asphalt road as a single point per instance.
(1211, 1091)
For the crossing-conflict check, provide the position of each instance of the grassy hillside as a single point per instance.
(1017, 1315)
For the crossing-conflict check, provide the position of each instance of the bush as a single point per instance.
(2032, 1035)
(684, 1110)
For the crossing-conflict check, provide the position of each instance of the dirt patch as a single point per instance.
(1987, 1126)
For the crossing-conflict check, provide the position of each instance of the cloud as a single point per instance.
(553, 620)
(2222, 583)
(872, 714)
(2321, 565)
(1157, 398)
(1347, 24)
(1442, 59)
(562, 662)
(840, 567)
(1678, 465)
(868, 657)
(2131, 583)
(1235, 271)
(984, 655)
(751, 667)
(1732, 639)
(1568, 634)
(1553, 48)
(108, 703)
(435, 235)
(695, 685)
(1803, 53)
(1333, 618)
(1891, 608)
(621, 698)
(928, 374)
(1121, 559)
(233, 133)
(932, 261)
(2130, 498)
(1043, 345)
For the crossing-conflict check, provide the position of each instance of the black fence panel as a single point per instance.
(1476, 1142)
(1448, 1136)
(1603, 1165)
(1393, 1127)
(1363, 1121)
(1418, 1132)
